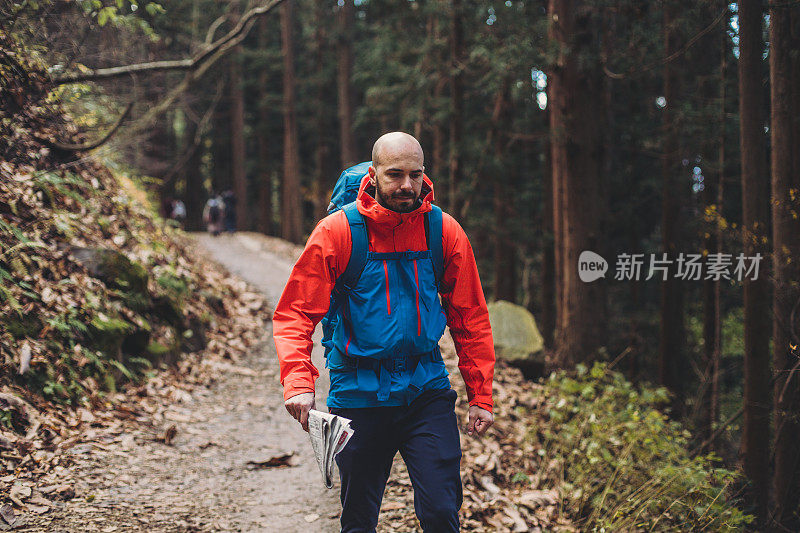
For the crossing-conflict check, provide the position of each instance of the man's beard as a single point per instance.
(391, 202)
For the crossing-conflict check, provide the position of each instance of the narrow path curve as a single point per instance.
(128, 482)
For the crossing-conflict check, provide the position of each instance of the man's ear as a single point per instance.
(371, 175)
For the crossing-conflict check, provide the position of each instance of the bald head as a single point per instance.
(397, 171)
(393, 145)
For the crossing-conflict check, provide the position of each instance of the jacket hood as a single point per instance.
(369, 207)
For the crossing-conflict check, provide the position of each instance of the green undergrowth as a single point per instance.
(141, 307)
(623, 465)
(96, 291)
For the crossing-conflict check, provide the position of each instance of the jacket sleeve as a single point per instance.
(467, 314)
(305, 300)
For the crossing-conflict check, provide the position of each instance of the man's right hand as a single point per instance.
(299, 406)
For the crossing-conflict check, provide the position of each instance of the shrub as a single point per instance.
(625, 465)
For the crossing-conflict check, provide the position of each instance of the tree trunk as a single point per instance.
(717, 353)
(456, 101)
(194, 192)
(548, 288)
(344, 72)
(671, 345)
(322, 152)
(221, 146)
(557, 116)
(238, 149)
(438, 159)
(785, 235)
(713, 189)
(755, 223)
(291, 204)
(165, 150)
(193, 178)
(575, 95)
(505, 251)
(264, 172)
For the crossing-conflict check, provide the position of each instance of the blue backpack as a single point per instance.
(346, 188)
(344, 197)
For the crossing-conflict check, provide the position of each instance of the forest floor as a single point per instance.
(204, 481)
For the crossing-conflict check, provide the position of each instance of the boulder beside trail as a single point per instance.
(113, 267)
(516, 338)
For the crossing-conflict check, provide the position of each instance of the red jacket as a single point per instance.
(306, 297)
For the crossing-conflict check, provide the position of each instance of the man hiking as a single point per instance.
(386, 372)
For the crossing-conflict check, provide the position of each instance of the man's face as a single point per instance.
(397, 179)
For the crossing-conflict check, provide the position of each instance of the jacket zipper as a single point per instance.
(349, 336)
(388, 300)
(419, 320)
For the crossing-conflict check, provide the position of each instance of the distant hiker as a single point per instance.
(178, 211)
(212, 214)
(386, 258)
(165, 209)
(230, 210)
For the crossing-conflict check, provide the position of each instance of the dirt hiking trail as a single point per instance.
(202, 481)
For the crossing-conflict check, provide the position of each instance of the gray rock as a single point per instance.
(113, 268)
(516, 338)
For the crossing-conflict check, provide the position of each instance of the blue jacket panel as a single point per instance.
(384, 346)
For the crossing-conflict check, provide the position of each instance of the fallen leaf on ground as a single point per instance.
(38, 500)
(24, 358)
(392, 506)
(20, 491)
(277, 461)
(520, 525)
(492, 489)
(538, 498)
(169, 435)
(63, 491)
(7, 512)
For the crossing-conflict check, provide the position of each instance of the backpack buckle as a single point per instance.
(397, 364)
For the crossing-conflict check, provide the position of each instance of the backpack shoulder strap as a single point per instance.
(433, 232)
(359, 249)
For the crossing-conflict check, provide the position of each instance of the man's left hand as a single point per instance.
(479, 420)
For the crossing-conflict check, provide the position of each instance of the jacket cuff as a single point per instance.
(483, 403)
(293, 389)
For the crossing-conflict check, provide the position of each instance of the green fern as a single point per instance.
(122, 368)
(141, 361)
(49, 181)
(12, 230)
(7, 296)
(18, 266)
(19, 246)
(69, 324)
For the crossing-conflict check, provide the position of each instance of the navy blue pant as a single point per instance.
(426, 435)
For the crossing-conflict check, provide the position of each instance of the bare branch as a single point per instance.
(672, 57)
(213, 29)
(86, 146)
(238, 32)
(719, 431)
(202, 126)
(191, 77)
(203, 62)
(125, 70)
